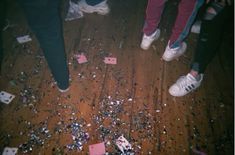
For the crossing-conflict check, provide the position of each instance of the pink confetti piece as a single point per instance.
(97, 149)
(110, 60)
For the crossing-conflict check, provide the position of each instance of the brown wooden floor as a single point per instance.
(130, 98)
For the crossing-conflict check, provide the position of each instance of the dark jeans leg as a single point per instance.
(93, 2)
(44, 19)
(2, 23)
(209, 40)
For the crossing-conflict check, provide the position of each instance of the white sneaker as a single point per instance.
(101, 8)
(147, 40)
(172, 53)
(185, 85)
(73, 12)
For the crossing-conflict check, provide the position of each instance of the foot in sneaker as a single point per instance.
(172, 53)
(185, 85)
(101, 8)
(147, 40)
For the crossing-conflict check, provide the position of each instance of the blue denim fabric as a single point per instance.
(44, 19)
(93, 2)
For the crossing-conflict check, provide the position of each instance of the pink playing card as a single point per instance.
(110, 60)
(97, 149)
(81, 58)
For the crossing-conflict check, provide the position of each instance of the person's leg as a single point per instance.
(209, 38)
(2, 23)
(187, 11)
(44, 19)
(153, 16)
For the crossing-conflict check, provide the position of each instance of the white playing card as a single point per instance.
(10, 151)
(123, 144)
(24, 39)
(97, 149)
(6, 97)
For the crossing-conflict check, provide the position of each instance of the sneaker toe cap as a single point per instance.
(166, 58)
(144, 47)
(174, 91)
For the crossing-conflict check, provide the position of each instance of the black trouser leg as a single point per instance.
(209, 40)
(2, 23)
